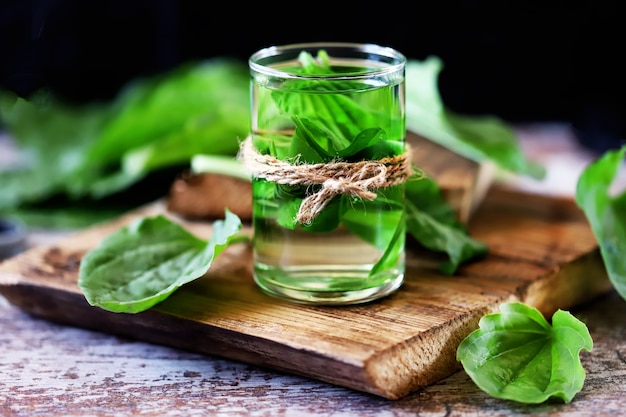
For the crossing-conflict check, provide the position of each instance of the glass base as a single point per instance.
(327, 287)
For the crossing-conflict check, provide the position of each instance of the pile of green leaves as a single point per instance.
(94, 152)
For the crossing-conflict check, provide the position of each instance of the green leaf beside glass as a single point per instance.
(143, 263)
(517, 355)
(479, 138)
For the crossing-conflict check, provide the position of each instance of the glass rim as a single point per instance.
(398, 60)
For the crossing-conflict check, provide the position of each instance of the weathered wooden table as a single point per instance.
(53, 370)
(47, 369)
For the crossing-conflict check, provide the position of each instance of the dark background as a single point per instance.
(522, 61)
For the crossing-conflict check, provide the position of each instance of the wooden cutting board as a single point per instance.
(542, 252)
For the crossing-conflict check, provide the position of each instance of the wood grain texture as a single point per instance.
(542, 252)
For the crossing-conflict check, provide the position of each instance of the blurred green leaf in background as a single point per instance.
(70, 153)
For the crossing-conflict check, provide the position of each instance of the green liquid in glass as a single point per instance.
(353, 251)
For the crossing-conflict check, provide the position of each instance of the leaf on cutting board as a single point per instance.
(142, 264)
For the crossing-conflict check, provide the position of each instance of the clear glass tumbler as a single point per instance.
(328, 162)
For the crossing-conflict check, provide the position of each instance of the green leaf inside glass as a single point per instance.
(329, 126)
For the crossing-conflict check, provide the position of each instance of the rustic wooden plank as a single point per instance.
(542, 253)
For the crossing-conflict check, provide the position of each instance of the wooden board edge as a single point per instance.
(402, 369)
(572, 283)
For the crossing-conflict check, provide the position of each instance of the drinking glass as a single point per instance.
(328, 162)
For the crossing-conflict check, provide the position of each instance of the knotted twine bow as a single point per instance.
(358, 179)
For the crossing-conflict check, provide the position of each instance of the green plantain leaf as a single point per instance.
(431, 221)
(96, 150)
(476, 138)
(516, 354)
(143, 263)
(605, 213)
